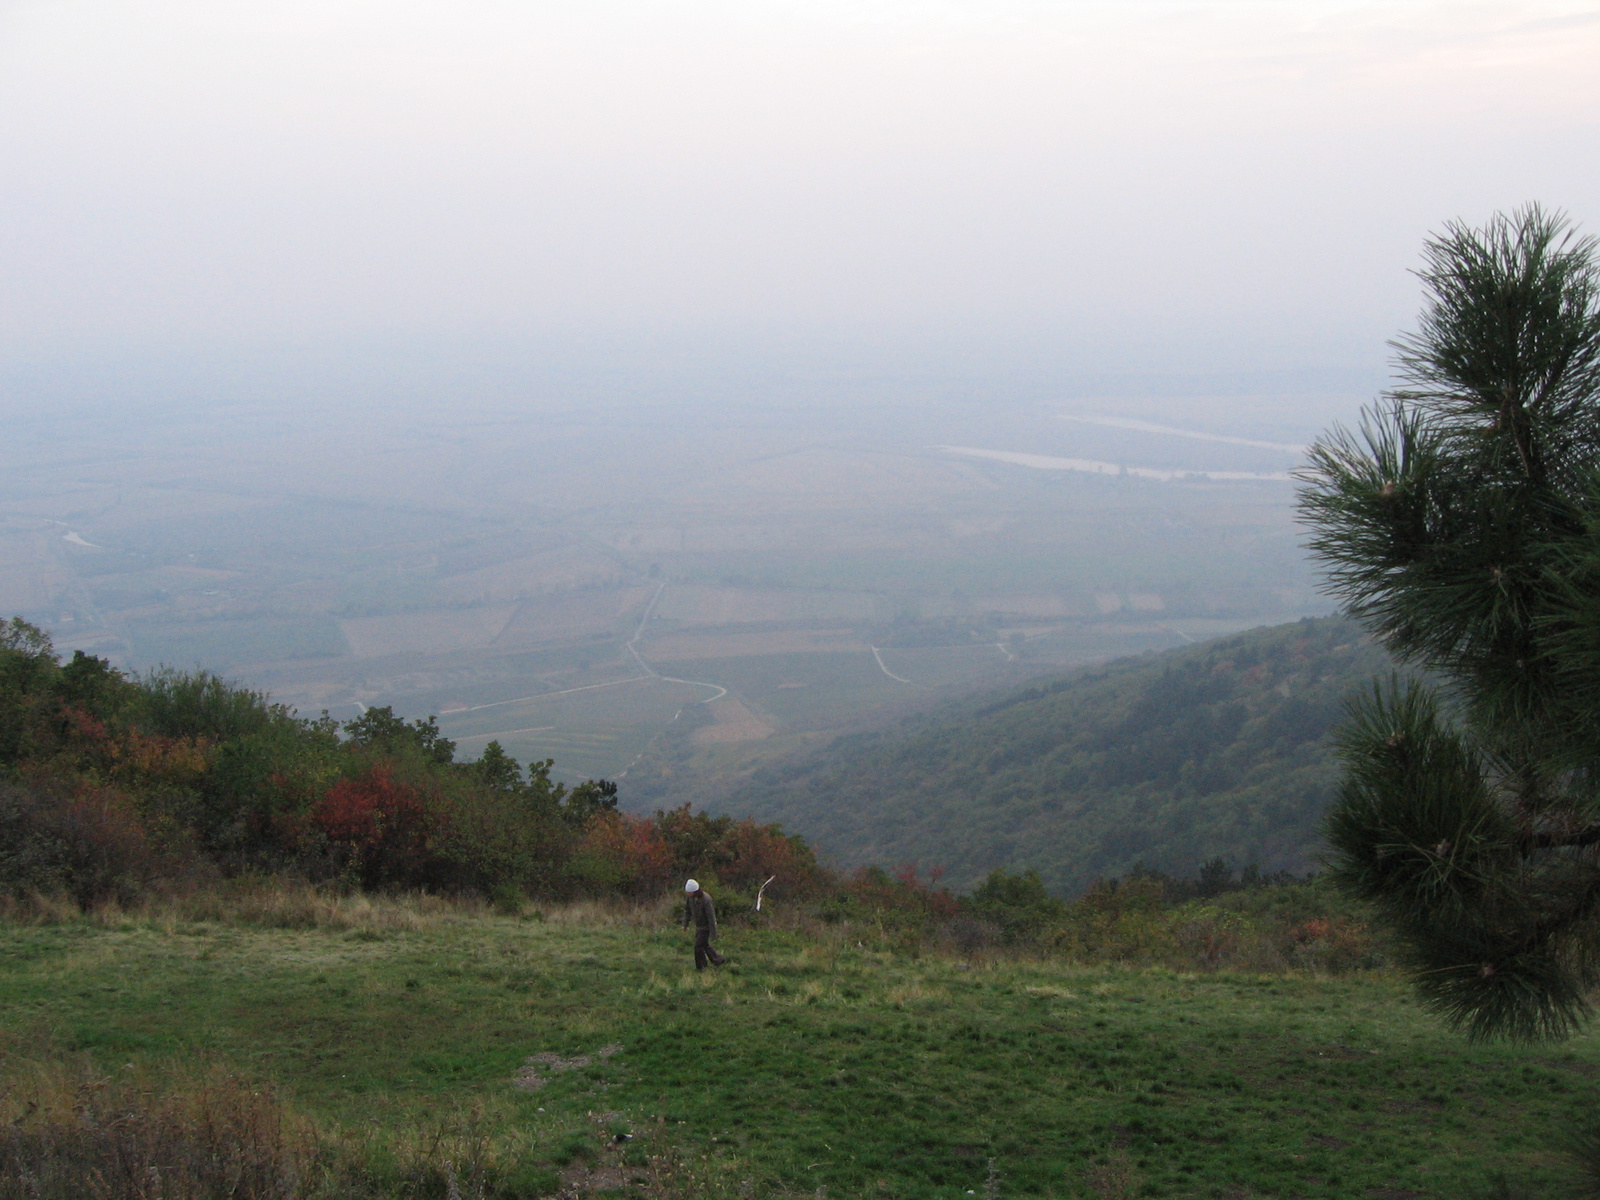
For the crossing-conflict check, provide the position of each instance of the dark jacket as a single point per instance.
(699, 909)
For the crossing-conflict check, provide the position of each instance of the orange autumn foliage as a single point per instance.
(624, 853)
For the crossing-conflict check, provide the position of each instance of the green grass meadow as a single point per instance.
(817, 1063)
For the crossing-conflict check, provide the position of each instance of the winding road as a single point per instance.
(650, 671)
(885, 670)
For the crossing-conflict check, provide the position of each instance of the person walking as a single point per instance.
(699, 909)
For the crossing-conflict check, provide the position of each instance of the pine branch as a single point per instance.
(1581, 908)
(1589, 836)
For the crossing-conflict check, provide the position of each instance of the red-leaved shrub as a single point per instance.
(383, 823)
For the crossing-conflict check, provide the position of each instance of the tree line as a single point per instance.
(112, 785)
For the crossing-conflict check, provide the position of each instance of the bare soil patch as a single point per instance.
(733, 722)
(530, 1080)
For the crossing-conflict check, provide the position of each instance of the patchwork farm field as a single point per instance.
(819, 1062)
(592, 729)
(798, 689)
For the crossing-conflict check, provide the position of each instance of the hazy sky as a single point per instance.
(1242, 183)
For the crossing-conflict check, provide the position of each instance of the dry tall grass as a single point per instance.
(278, 903)
(166, 1131)
(71, 1132)
(1192, 937)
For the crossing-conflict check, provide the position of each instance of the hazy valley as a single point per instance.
(567, 576)
(917, 492)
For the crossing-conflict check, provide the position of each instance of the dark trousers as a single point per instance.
(703, 952)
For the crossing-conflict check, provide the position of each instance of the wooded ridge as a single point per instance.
(1172, 759)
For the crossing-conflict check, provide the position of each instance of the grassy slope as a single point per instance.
(1170, 759)
(812, 1064)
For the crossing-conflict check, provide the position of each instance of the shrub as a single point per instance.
(754, 853)
(1271, 926)
(507, 899)
(902, 901)
(88, 844)
(1018, 904)
(157, 760)
(741, 855)
(1334, 944)
(490, 838)
(382, 823)
(971, 936)
(623, 854)
(1208, 937)
(204, 707)
(1117, 923)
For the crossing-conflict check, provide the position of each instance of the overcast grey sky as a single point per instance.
(1243, 182)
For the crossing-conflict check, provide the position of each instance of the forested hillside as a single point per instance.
(1218, 749)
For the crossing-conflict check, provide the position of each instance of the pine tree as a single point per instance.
(1461, 524)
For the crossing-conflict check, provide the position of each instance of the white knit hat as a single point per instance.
(691, 886)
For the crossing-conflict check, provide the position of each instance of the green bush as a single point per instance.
(1018, 904)
(507, 899)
